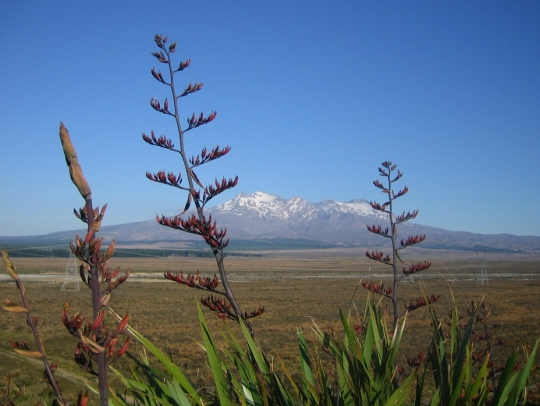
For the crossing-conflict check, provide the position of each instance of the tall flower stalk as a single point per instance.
(97, 344)
(394, 259)
(22, 347)
(198, 195)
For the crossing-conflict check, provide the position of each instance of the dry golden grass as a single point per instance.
(296, 288)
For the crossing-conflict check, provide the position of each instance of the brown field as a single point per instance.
(296, 288)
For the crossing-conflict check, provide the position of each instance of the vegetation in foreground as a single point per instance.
(295, 288)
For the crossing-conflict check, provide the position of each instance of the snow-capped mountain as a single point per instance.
(270, 207)
(263, 216)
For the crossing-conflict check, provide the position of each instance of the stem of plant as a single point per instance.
(218, 254)
(388, 208)
(96, 304)
(394, 255)
(39, 345)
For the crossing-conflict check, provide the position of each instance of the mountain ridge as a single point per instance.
(263, 216)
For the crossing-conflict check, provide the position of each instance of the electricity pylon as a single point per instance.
(71, 277)
(482, 277)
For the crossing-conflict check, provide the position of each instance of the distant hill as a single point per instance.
(264, 221)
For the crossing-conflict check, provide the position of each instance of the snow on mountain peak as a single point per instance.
(269, 206)
(261, 196)
(358, 206)
(254, 200)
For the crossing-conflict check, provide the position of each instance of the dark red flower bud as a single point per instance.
(184, 65)
(124, 347)
(82, 400)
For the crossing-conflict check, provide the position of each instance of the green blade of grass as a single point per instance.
(307, 371)
(171, 368)
(279, 393)
(503, 385)
(462, 350)
(525, 372)
(479, 384)
(401, 394)
(510, 395)
(249, 385)
(215, 362)
(176, 392)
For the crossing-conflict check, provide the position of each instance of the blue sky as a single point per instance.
(311, 95)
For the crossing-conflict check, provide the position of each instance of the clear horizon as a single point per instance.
(81, 227)
(311, 96)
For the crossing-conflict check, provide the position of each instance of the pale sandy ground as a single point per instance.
(324, 263)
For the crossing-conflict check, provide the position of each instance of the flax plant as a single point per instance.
(197, 223)
(365, 371)
(462, 374)
(22, 347)
(97, 344)
(394, 259)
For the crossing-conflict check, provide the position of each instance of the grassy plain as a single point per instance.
(296, 288)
